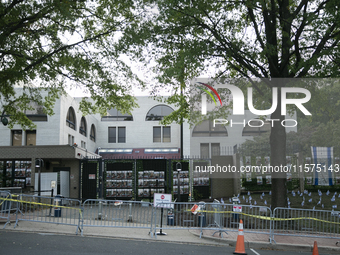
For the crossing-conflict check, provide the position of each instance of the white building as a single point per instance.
(65, 138)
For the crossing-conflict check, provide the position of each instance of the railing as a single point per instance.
(5, 206)
(55, 210)
(303, 222)
(117, 213)
(217, 217)
(221, 218)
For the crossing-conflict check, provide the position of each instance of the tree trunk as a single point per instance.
(278, 158)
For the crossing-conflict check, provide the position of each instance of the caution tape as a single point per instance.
(3, 201)
(266, 217)
(37, 203)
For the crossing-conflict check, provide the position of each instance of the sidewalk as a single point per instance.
(255, 241)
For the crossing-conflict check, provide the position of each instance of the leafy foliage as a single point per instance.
(49, 45)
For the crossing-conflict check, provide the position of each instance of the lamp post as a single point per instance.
(178, 168)
(39, 163)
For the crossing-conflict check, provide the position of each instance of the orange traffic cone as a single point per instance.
(240, 240)
(315, 249)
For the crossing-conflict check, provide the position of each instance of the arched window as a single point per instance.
(206, 128)
(256, 127)
(93, 133)
(115, 115)
(71, 118)
(83, 126)
(158, 112)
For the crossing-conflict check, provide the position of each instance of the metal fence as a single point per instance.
(221, 218)
(117, 213)
(304, 222)
(217, 217)
(56, 210)
(5, 206)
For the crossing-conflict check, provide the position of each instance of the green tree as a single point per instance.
(46, 45)
(246, 38)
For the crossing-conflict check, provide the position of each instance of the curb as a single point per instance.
(271, 246)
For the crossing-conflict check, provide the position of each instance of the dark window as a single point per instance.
(166, 134)
(121, 134)
(93, 133)
(112, 134)
(215, 149)
(158, 112)
(206, 128)
(115, 115)
(71, 118)
(82, 128)
(157, 134)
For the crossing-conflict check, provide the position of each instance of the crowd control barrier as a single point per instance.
(117, 213)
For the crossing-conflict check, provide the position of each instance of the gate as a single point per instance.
(89, 176)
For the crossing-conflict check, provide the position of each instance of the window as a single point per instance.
(115, 115)
(121, 134)
(113, 134)
(256, 127)
(206, 129)
(36, 113)
(161, 134)
(16, 137)
(31, 136)
(158, 112)
(71, 118)
(70, 139)
(205, 152)
(82, 128)
(93, 133)
(83, 144)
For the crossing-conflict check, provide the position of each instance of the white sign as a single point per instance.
(237, 208)
(162, 198)
(53, 184)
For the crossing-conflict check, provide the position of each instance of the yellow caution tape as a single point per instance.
(267, 218)
(36, 203)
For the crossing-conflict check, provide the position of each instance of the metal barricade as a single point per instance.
(55, 210)
(304, 222)
(117, 213)
(5, 206)
(212, 216)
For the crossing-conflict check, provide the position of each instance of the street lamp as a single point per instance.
(3, 119)
(39, 163)
(178, 169)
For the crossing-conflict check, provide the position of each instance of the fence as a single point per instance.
(221, 218)
(55, 210)
(303, 222)
(116, 213)
(217, 217)
(5, 206)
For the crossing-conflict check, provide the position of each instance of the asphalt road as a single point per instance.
(14, 242)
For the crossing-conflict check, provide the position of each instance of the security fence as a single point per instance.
(218, 217)
(5, 206)
(55, 210)
(221, 218)
(303, 222)
(116, 213)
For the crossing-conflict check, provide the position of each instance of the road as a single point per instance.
(14, 242)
